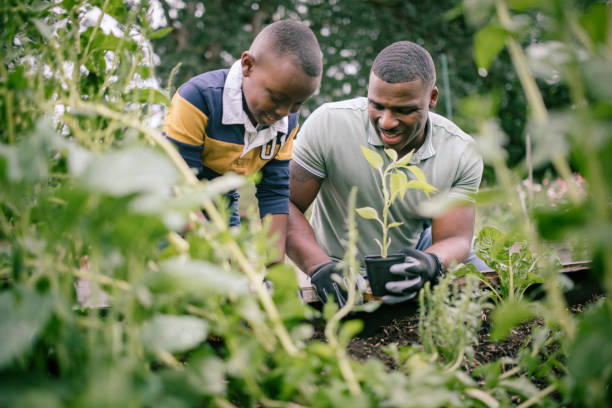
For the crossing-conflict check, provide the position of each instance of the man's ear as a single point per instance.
(433, 101)
(247, 60)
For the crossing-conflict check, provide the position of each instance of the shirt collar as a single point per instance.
(233, 109)
(424, 152)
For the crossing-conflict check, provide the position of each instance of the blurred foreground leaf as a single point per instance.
(24, 314)
(174, 333)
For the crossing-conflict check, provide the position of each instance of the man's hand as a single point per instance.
(418, 268)
(325, 285)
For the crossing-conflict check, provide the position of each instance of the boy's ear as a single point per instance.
(248, 62)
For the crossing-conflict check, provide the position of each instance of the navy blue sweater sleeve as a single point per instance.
(273, 189)
(191, 154)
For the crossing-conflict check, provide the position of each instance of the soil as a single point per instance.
(403, 331)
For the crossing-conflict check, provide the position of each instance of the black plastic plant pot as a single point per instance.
(377, 269)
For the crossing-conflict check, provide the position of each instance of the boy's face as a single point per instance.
(274, 87)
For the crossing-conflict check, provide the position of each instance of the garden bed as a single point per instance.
(398, 324)
(404, 331)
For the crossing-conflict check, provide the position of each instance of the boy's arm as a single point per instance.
(272, 194)
(278, 229)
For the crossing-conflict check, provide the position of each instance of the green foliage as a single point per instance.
(91, 193)
(590, 358)
(513, 261)
(450, 316)
(394, 184)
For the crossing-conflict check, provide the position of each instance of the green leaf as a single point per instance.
(404, 160)
(372, 157)
(555, 223)
(489, 196)
(349, 330)
(160, 33)
(147, 95)
(132, 170)
(488, 43)
(24, 315)
(521, 386)
(595, 22)
(478, 12)
(368, 213)
(398, 184)
(45, 30)
(417, 172)
(285, 287)
(507, 316)
(194, 277)
(391, 153)
(173, 333)
(523, 5)
(105, 42)
(421, 185)
(590, 357)
(394, 224)
(17, 78)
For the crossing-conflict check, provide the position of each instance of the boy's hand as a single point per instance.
(418, 268)
(324, 285)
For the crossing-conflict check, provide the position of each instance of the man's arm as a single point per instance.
(302, 246)
(452, 235)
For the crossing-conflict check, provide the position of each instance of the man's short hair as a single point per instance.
(294, 38)
(404, 61)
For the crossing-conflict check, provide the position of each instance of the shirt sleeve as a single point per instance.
(469, 175)
(185, 124)
(311, 143)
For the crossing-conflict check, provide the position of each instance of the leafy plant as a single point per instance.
(450, 316)
(514, 263)
(394, 183)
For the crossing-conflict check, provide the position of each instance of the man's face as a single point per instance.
(399, 112)
(274, 86)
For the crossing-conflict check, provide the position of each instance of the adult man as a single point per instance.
(243, 119)
(328, 162)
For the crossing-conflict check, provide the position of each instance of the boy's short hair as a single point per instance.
(404, 61)
(294, 38)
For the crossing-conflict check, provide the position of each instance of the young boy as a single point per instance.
(243, 119)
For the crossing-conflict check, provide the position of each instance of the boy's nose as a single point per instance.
(281, 111)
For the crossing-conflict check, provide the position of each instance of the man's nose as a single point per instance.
(387, 120)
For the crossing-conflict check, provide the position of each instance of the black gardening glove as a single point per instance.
(324, 285)
(418, 268)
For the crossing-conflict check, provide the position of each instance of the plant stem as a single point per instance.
(483, 397)
(94, 31)
(8, 105)
(103, 279)
(279, 404)
(385, 213)
(537, 397)
(350, 270)
(533, 95)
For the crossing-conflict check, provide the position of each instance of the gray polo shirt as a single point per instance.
(328, 146)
